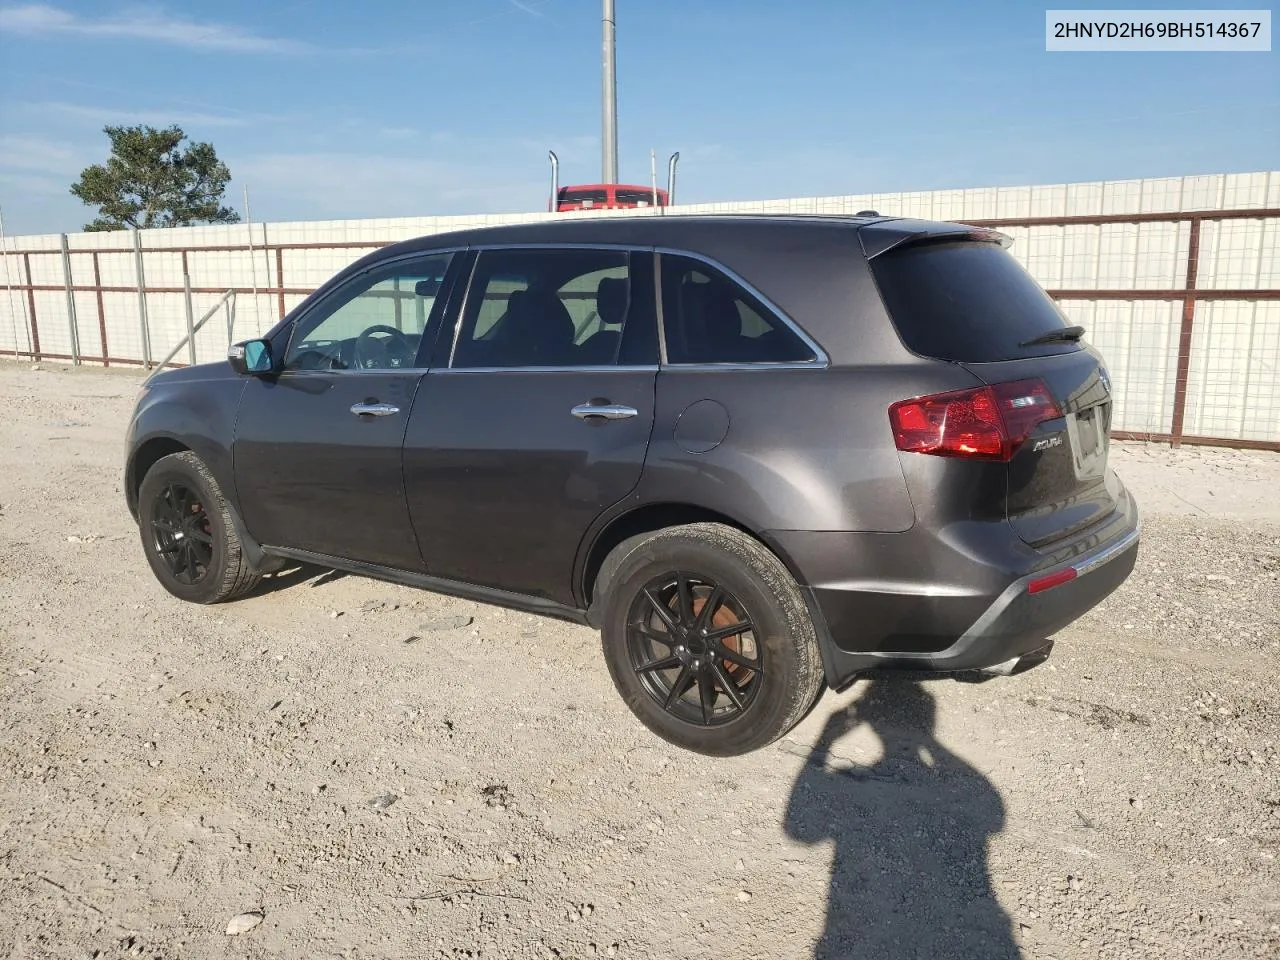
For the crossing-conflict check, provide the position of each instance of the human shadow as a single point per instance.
(909, 877)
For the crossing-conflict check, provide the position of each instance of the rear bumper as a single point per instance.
(961, 599)
(1019, 621)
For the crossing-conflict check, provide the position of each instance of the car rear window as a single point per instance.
(967, 301)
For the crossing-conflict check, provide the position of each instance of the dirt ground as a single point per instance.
(381, 772)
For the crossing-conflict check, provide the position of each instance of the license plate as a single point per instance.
(1090, 432)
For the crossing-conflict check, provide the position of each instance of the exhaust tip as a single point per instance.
(1009, 668)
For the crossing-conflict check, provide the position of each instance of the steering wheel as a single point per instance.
(394, 351)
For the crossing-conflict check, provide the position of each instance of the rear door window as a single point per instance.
(558, 308)
(968, 302)
(707, 318)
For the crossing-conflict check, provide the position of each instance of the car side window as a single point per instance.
(375, 324)
(707, 318)
(557, 308)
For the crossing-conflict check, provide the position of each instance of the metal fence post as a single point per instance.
(280, 280)
(102, 309)
(191, 333)
(31, 308)
(231, 320)
(144, 327)
(1185, 336)
(71, 303)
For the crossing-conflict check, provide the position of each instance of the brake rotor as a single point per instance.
(724, 617)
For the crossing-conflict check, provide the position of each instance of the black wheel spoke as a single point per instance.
(190, 559)
(662, 663)
(734, 657)
(686, 599)
(657, 636)
(664, 614)
(727, 684)
(706, 695)
(709, 608)
(168, 508)
(719, 633)
(200, 536)
(680, 686)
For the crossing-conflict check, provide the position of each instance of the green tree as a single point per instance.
(152, 180)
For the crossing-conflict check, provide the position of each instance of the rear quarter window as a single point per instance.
(968, 302)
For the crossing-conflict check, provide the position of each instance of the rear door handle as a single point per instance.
(374, 409)
(605, 411)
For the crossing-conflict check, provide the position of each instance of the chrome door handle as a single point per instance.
(606, 411)
(374, 409)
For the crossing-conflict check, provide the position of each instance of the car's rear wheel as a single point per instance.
(708, 639)
(187, 532)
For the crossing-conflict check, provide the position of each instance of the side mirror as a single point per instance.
(251, 358)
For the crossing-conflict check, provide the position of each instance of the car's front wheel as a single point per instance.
(187, 532)
(708, 639)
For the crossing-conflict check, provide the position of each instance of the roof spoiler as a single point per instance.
(879, 238)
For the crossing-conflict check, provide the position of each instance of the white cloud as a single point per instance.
(530, 9)
(101, 116)
(309, 186)
(398, 133)
(141, 23)
(31, 184)
(23, 152)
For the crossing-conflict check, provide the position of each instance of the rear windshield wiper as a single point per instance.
(1053, 336)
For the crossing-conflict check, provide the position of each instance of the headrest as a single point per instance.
(611, 300)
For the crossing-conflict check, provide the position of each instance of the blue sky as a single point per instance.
(384, 108)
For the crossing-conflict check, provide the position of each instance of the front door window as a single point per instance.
(376, 323)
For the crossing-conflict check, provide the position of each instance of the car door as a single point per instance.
(317, 446)
(539, 421)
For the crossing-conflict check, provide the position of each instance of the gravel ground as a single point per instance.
(370, 771)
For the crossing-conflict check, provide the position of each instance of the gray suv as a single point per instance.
(760, 454)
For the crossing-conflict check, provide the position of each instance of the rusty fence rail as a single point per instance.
(77, 266)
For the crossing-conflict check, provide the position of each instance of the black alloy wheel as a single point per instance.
(181, 532)
(691, 645)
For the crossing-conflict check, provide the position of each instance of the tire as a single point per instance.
(188, 535)
(774, 667)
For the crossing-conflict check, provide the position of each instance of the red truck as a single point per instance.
(609, 196)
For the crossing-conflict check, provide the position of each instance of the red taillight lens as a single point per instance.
(961, 424)
(987, 423)
(1024, 405)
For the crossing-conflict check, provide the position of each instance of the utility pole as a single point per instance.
(609, 139)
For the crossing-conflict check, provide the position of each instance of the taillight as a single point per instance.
(986, 423)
